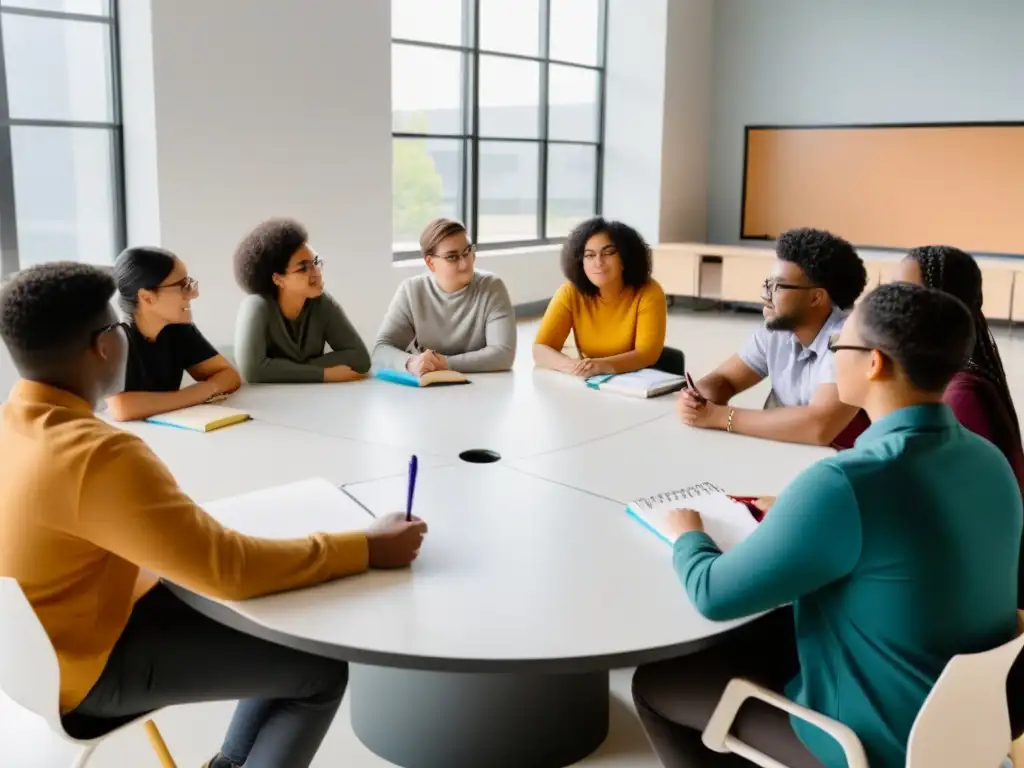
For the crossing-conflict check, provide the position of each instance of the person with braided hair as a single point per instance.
(979, 394)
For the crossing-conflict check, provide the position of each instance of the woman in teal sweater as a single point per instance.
(893, 563)
(288, 319)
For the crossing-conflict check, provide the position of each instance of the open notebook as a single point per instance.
(201, 418)
(646, 382)
(726, 521)
(432, 379)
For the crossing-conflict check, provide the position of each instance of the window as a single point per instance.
(61, 185)
(496, 117)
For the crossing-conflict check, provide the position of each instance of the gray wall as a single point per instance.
(854, 61)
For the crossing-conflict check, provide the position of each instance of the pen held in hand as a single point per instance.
(693, 389)
(411, 491)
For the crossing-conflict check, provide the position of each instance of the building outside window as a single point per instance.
(496, 117)
(61, 180)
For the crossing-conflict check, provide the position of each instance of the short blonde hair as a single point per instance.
(438, 230)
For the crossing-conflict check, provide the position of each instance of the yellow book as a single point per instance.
(201, 418)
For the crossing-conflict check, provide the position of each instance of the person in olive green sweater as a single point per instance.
(893, 561)
(287, 319)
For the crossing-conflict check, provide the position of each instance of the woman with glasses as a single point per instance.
(615, 310)
(288, 318)
(452, 317)
(155, 292)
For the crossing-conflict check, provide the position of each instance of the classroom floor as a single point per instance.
(194, 732)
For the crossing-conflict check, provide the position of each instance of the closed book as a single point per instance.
(647, 382)
(200, 418)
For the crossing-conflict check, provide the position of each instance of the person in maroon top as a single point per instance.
(979, 394)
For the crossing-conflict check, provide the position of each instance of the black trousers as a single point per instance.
(171, 654)
(675, 698)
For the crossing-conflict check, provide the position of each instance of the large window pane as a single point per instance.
(58, 69)
(426, 90)
(432, 21)
(573, 96)
(510, 26)
(572, 186)
(83, 7)
(575, 31)
(508, 191)
(427, 183)
(64, 194)
(509, 98)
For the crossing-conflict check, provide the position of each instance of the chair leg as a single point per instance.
(83, 757)
(157, 742)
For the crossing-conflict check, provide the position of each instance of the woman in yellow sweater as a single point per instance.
(615, 310)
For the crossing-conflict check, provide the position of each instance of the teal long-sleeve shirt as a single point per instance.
(896, 555)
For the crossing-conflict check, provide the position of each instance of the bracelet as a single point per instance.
(728, 425)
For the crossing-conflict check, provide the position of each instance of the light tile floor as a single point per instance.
(194, 732)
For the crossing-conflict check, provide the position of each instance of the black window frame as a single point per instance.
(471, 139)
(9, 251)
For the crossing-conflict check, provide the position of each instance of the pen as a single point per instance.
(413, 469)
(693, 388)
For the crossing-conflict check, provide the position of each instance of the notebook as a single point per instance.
(726, 521)
(432, 379)
(646, 382)
(201, 418)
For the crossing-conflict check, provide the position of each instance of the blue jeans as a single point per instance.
(171, 654)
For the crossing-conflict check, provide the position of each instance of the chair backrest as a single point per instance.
(965, 720)
(29, 672)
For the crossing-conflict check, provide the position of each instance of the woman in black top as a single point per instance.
(155, 293)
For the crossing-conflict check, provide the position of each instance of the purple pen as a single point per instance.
(413, 469)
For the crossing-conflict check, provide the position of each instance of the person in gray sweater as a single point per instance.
(452, 317)
(287, 319)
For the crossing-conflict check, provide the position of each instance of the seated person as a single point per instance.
(979, 394)
(90, 519)
(615, 310)
(816, 278)
(892, 562)
(288, 317)
(452, 317)
(155, 293)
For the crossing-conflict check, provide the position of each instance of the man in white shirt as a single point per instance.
(814, 282)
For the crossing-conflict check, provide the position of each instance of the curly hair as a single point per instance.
(955, 272)
(265, 252)
(632, 248)
(50, 310)
(828, 261)
(928, 333)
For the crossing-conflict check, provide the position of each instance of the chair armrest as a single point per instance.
(717, 738)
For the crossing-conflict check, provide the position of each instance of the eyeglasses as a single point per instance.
(307, 265)
(454, 258)
(834, 345)
(608, 251)
(769, 287)
(186, 285)
(107, 329)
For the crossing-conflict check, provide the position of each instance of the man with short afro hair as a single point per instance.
(814, 282)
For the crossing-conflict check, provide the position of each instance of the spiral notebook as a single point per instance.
(726, 521)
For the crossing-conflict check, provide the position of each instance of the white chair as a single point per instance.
(963, 722)
(30, 676)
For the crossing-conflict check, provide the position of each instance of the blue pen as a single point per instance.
(413, 469)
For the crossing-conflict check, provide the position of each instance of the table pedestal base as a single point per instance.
(466, 720)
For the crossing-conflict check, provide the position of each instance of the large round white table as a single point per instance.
(494, 648)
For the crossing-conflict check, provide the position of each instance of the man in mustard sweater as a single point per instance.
(90, 519)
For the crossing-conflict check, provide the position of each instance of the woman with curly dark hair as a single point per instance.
(614, 309)
(288, 318)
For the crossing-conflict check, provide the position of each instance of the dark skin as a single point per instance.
(802, 309)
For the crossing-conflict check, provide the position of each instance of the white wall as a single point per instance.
(837, 61)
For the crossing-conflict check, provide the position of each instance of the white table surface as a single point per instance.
(254, 455)
(517, 414)
(665, 455)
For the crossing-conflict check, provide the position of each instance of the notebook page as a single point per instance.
(726, 521)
